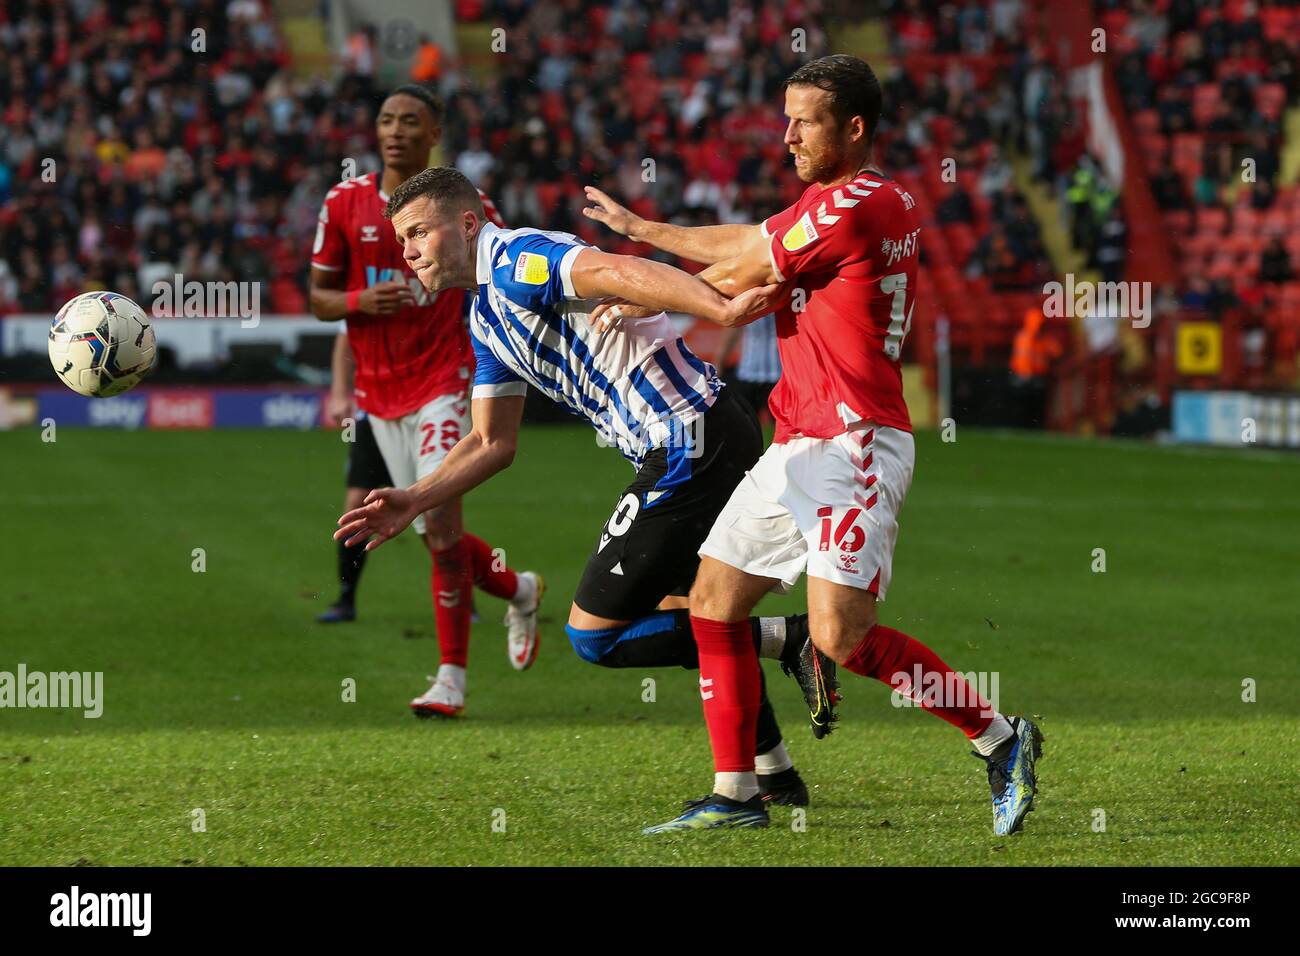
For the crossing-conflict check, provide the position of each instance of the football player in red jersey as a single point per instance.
(413, 368)
(826, 495)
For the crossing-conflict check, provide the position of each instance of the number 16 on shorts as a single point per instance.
(840, 528)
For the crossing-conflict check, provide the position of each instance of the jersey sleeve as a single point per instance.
(835, 231)
(330, 250)
(534, 271)
(492, 379)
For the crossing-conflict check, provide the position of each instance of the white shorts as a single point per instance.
(415, 444)
(825, 505)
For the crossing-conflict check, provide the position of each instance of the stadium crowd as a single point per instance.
(1206, 87)
(133, 153)
(145, 138)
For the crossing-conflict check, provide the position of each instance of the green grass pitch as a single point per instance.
(222, 695)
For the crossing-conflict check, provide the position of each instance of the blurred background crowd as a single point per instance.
(148, 138)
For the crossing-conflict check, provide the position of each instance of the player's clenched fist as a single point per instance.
(603, 209)
(337, 409)
(385, 515)
(384, 298)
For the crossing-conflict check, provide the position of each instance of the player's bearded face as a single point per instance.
(818, 142)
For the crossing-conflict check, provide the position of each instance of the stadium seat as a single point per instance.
(1211, 219)
(1270, 100)
(1205, 103)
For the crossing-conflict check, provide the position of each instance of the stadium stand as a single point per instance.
(131, 154)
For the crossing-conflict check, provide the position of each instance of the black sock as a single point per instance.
(796, 635)
(769, 734)
(351, 561)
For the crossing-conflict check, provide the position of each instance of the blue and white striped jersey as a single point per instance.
(638, 384)
(759, 359)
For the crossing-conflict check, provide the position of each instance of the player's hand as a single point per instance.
(385, 298)
(603, 209)
(385, 515)
(337, 408)
(756, 302)
(612, 311)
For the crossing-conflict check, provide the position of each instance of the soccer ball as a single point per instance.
(101, 344)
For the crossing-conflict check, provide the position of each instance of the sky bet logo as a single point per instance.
(103, 909)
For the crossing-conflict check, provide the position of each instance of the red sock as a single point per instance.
(452, 591)
(729, 684)
(490, 574)
(893, 657)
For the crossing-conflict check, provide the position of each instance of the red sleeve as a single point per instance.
(330, 250)
(828, 234)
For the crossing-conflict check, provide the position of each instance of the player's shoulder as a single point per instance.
(872, 195)
(508, 245)
(352, 188)
(529, 235)
(529, 266)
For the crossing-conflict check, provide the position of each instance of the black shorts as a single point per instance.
(648, 549)
(756, 393)
(366, 468)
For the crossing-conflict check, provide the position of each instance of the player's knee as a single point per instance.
(838, 639)
(441, 533)
(593, 645)
(705, 599)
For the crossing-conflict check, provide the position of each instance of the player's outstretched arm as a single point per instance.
(749, 274)
(486, 450)
(655, 285)
(703, 244)
(748, 269)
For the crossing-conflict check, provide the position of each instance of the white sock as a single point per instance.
(994, 736)
(525, 589)
(774, 761)
(453, 674)
(771, 636)
(738, 786)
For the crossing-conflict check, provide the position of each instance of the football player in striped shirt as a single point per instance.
(642, 390)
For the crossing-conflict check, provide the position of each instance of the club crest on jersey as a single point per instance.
(369, 233)
(802, 233)
(532, 269)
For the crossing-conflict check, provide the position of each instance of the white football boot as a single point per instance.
(521, 621)
(446, 698)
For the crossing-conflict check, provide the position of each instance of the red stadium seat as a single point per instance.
(1246, 218)
(696, 65)
(1274, 222)
(1270, 99)
(549, 196)
(1205, 103)
(1146, 121)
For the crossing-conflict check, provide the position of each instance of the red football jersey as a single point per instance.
(852, 250)
(407, 358)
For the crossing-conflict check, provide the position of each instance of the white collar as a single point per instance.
(483, 252)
